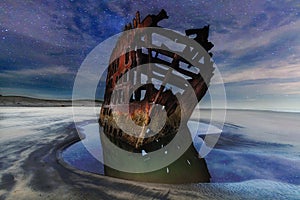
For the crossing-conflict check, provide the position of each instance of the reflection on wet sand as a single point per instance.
(188, 168)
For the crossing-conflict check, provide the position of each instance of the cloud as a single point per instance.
(282, 70)
(246, 42)
(54, 79)
(289, 88)
(257, 43)
(262, 66)
(19, 51)
(45, 71)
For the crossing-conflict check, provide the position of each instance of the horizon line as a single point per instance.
(204, 107)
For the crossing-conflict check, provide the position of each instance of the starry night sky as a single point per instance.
(257, 44)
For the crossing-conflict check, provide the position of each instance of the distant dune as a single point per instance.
(19, 101)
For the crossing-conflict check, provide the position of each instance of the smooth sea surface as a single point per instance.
(255, 149)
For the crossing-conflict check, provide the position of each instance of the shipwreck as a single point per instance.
(121, 91)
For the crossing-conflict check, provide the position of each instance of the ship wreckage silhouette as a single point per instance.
(123, 77)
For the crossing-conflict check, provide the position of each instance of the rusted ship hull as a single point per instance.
(189, 167)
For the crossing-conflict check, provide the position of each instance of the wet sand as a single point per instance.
(30, 168)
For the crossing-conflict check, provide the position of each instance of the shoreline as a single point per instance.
(65, 177)
(149, 190)
(30, 168)
(95, 183)
(20, 101)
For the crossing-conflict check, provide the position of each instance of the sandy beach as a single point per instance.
(30, 168)
(150, 99)
(29, 165)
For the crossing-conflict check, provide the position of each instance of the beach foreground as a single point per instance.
(29, 140)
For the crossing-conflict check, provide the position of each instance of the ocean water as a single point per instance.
(257, 151)
(87, 153)
(256, 157)
(257, 145)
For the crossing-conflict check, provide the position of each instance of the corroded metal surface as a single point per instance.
(121, 93)
(142, 99)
